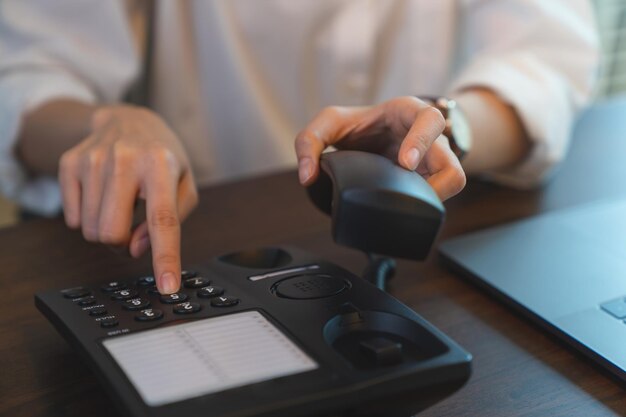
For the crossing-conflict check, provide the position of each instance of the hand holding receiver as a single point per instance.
(376, 205)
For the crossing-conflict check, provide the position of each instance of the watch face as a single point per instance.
(461, 130)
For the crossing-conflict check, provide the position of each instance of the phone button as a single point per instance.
(97, 311)
(175, 298)
(187, 308)
(135, 304)
(76, 292)
(113, 286)
(197, 282)
(124, 295)
(109, 322)
(149, 314)
(210, 292)
(147, 281)
(224, 301)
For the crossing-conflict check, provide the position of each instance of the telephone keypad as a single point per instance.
(138, 295)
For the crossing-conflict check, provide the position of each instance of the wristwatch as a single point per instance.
(457, 128)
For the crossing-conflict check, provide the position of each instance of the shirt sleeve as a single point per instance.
(540, 57)
(81, 50)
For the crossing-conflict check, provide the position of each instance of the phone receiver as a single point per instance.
(376, 205)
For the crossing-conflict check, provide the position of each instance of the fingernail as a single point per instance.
(412, 158)
(305, 170)
(168, 283)
(141, 246)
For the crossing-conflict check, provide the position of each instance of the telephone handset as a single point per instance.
(377, 206)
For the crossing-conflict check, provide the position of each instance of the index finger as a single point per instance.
(331, 125)
(164, 229)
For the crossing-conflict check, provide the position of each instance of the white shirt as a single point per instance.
(236, 80)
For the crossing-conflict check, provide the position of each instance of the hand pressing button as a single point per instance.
(187, 308)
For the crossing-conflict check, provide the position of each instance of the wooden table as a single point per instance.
(518, 369)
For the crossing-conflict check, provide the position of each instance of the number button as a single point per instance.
(135, 304)
(149, 314)
(153, 291)
(210, 292)
(124, 295)
(113, 286)
(147, 281)
(177, 297)
(185, 274)
(197, 282)
(224, 301)
(186, 308)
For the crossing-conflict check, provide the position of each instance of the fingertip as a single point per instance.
(306, 170)
(411, 159)
(167, 283)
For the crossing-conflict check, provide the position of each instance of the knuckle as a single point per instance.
(123, 158)
(164, 218)
(95, 158)
(436, 118)
(166, 259)
(68, 162)
(160, 157)
(331, 112)
(111, 235)
(458, 179)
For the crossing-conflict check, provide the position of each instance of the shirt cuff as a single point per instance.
(21, 92)
(543, 103)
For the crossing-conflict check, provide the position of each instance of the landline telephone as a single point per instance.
(277, 331)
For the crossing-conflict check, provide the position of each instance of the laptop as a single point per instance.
(565, 269)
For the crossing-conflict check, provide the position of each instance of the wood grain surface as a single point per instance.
(519, 370)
